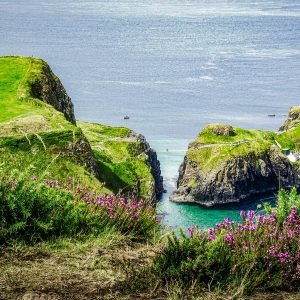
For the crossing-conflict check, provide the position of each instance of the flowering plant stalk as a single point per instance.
(127, 214)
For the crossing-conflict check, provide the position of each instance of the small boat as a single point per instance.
(126, 117)
(272, 115)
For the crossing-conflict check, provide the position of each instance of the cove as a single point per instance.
(175, 215)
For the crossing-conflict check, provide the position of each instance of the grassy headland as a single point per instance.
(36, 139)
(209, 149)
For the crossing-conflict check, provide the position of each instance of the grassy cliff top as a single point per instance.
(94, 130)
(121, 157)
(20, 112)
(212, 147)
(35, 138)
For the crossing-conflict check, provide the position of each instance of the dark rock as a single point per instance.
(154, 165)
(82, 152)
(236, 179)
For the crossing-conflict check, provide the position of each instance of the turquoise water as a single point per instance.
(176, 215)
(171, 65)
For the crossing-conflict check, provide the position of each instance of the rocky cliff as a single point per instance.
(48, 88)
(292, 120)
(154, 165)
(226, 164)
(39, 135)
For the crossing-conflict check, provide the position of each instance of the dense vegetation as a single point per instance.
(121, 158)
(261, 252)
(33, 211)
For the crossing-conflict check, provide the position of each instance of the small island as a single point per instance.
(226, 164)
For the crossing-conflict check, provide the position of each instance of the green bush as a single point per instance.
(33, 212)
(192, 258)
(285, 202)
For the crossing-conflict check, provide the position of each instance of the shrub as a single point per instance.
(262, 251)
(189, 258)
(125, 213)
(285, 202)
(34, 211)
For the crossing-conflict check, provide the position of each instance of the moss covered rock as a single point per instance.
(221, 129)
(293, 119)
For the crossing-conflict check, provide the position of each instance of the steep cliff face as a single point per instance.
(221, 168)
(154, 166)
(235, 179)
(292, 120)
(48, 88)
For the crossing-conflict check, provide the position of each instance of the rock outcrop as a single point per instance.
(220, 169)
(292, 120)
(221, 129)
(154, 165)
(81, 150)
(235, 179)
(48, 88)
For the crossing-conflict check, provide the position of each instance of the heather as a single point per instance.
(36, 210)
(113, 242)
(260, 252)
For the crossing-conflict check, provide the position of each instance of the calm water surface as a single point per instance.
(172, 65)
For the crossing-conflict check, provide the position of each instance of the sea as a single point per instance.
(172, 66)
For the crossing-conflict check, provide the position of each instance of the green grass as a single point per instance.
(36, 139)
(120, 157)
(29, 126)
(46, 155)
(290, 138)
(245, 143)
(208, 137)
(20, 113)
(16, 73)
(94, 130)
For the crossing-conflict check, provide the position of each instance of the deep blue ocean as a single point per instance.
(172, 66)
